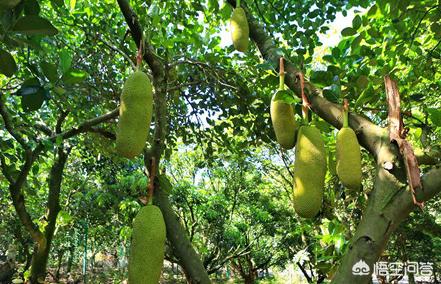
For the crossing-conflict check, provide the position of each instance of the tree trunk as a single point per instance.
(43, 244)
(59, 264)
(249, 278)
(39, 262)
(183, 250)
(71, 258)
(390, 202)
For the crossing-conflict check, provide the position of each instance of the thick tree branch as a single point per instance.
(53, 201)
(85, 126)
(105, 133)
(431, 182)
(15, 189)
(137, 33)
(60, 121)
(367, 132)
(237, 253)
(181, 246)
(44, 128)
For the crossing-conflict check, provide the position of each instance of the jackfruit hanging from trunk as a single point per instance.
(135, 115)
(239, 29)
(147, 247)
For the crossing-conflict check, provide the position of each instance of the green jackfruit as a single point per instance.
(348, 158)
(239, 30)
(309, 172)
(284, 123)
(135, 115)
(148, 245)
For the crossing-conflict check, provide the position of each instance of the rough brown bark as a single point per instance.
(43, 245)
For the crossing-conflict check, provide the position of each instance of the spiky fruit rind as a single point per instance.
(284, 123)
(309, 172)
(348, 158)
(135, 115)
(239, 30)
(148, 245)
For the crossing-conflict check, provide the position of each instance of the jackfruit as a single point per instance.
(135, 115)
(284, 123)
(239, 29)
(148, 245)
(348, 158)
(309, 172)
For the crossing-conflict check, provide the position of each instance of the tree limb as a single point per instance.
(181, 246)
(15, 189)
(103, 132)
(53, 201)
(85, 126)
(368, 133)
(137, 33)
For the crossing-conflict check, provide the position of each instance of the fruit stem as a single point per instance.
(151, 185)
(139, 55)
(345, 113)
(237, 3)
(305, 102)
(281, 75)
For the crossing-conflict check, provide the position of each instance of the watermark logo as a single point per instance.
(422, 271)
(361, 268)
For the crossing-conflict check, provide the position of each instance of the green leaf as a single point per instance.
(34, 25)
(356, 43)
(332, 93)
(286, 96)
(35, 169)
(435, 116)
(64, 218)
(50, 71)
(32, 95)
(356, 22)
(7, 63)
(436, 29)
(362, 82)
(348, 31)
(322, 78)
(365, 96)
(65, 60)
(74, 76)
(59, 90)
(34, 100)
